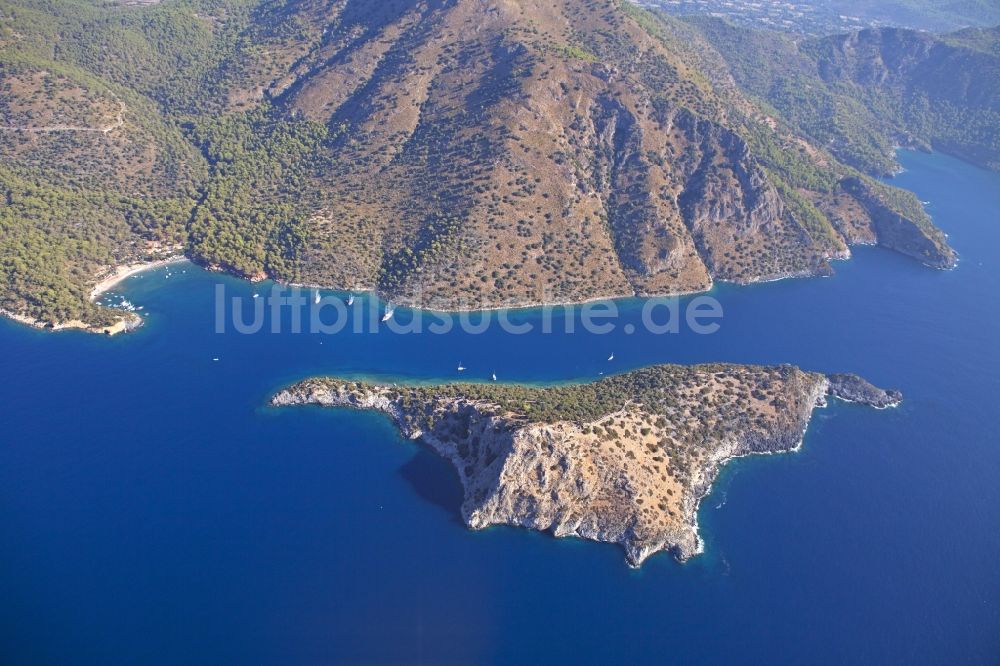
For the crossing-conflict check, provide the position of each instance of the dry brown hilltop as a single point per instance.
(450, 154)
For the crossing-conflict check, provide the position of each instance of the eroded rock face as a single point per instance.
(625, 460)
(912, 236)
(736, 216)
(538, 152)
(852, 388)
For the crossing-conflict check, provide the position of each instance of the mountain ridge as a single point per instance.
(457, 154)
(861, 94)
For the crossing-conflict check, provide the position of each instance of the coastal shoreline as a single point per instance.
(126, 323)
(125, 271)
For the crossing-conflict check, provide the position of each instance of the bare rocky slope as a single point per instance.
(448, 153)
(554, 151)
(624, 460)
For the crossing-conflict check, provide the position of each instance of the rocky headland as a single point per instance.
(623, 460)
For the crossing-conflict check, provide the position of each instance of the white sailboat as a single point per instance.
(494, 376)
(388, 313)
(461, 368)
(316, 297)
(350, 300)
(612, 357)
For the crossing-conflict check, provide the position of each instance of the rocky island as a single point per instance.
(623, 460)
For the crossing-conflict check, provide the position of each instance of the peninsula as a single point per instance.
(624, 460)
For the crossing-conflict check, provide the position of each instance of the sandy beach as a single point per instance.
(128, 270)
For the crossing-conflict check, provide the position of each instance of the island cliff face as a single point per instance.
(624, 460)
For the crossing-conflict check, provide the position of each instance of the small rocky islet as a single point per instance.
(624, 460)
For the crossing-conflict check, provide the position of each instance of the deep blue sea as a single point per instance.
(153, 510)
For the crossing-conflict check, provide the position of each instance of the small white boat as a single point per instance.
(350, 300)
(215, 360)
(388, 314)
(256, 295)
(461, 368)
(612, 357)
(316, 298)
(494, 376)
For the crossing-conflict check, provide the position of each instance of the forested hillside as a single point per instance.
(932, 15)
(864, 93)
(460, 153)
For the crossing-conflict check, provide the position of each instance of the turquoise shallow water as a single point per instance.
(152, 510)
